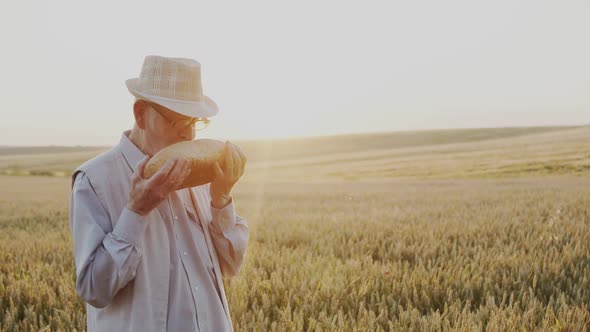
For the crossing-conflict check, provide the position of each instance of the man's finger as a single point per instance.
(242, 155)
(178, 175)
(162, 174)
(243, 159)
(217, 170)
(229, 161)
(236, 160)
(182, 174)
(141, 165)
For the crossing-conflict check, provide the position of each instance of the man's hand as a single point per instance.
(225, 179)
(146, 194)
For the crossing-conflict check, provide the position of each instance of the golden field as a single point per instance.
(466, 230)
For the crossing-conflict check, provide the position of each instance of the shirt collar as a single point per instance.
(133, 155)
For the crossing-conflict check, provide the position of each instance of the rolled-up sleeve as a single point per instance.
(230, 234)
(105, 261)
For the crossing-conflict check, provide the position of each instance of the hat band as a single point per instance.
(170, 99)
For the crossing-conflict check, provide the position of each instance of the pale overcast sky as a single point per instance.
(298, 68)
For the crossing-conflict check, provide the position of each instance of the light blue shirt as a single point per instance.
(107, 263)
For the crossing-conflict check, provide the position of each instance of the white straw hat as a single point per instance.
(174, 83)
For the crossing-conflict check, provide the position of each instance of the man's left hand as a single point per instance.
(226, 177)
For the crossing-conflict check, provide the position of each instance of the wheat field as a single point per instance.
(458, 230)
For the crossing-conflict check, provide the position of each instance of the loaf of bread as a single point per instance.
(203, 153)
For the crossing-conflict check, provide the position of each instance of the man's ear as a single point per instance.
(139, 111)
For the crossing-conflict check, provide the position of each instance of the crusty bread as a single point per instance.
(203, 153)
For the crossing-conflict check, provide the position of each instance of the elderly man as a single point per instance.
(151, 257)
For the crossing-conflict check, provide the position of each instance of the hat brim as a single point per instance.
(195, 109)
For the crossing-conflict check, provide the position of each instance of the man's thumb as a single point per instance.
(141, 165)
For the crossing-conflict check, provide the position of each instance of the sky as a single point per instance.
(300, 68)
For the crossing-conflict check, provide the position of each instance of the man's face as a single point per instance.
(161, 128)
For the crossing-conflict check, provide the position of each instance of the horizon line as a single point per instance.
(322, 136)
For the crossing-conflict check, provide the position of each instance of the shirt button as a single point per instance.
(175, 217)
(185, 253)
(196, 288)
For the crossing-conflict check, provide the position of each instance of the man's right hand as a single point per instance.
(146, 194)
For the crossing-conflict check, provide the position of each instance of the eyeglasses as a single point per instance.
(196, 123)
